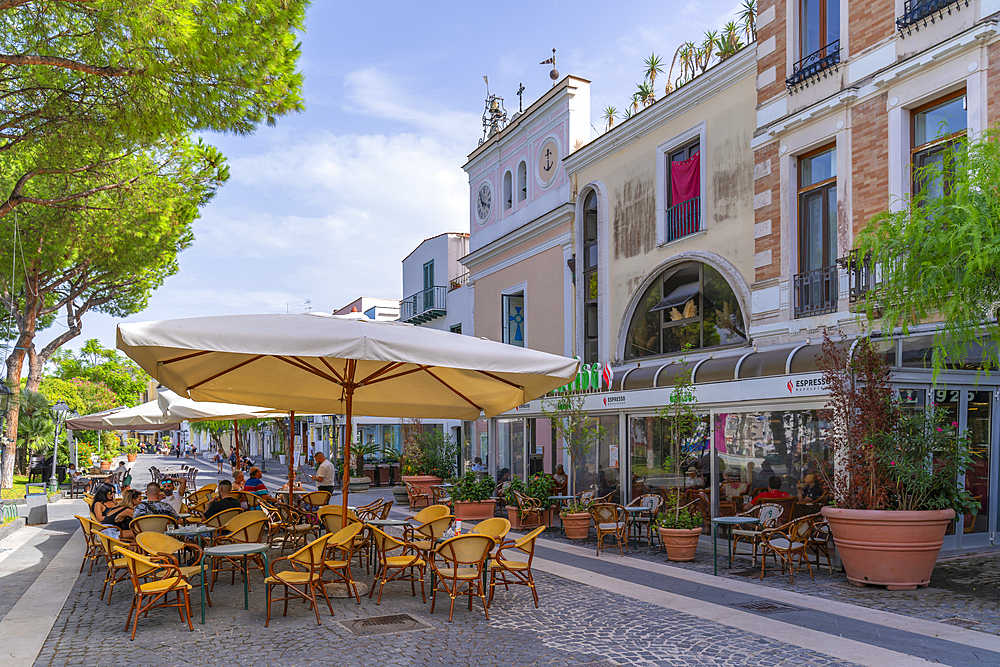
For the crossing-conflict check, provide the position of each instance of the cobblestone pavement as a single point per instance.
(576, 625)
(964, 591)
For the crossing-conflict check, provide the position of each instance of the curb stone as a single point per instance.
(11, 528)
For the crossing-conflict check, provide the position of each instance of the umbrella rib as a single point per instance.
(228, 370)
(301, 365)
(397, 375)
(392, 365)
(186, 356)
(333, 370)
(455, 391)
(500, 379)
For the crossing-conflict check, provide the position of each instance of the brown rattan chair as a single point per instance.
(786, 543)
(290, 524)
(440, 495)
(426, 535)
(156, 523)
(819, 542)
(769, 517)
(303, 580)
(408, 560)
(610, 519)
(652, 502)
(117, 572)
(416, 496)
(529, 510)
(222, 518)
(463, 563)
(155, 580)
(512, 571)
(90, 528)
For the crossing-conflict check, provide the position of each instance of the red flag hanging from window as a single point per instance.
(685, 179)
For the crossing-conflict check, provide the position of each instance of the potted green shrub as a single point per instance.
(280, 453)
(679, 530)
(576, 520)
(429, 458)
(473, 497)
(132, 450)
(897, 482)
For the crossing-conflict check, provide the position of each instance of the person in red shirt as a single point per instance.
(774, 484)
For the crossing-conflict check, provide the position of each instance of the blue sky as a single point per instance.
(324, 206)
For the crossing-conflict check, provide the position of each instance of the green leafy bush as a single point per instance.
(472, 488)
(431, 452)
(682, 518)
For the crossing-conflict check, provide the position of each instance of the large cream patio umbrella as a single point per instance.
(329, 364)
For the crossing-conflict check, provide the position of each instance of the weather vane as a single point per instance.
(495, 116)
(554, 74)
(520, 92)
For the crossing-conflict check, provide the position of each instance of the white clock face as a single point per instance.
(484, 201)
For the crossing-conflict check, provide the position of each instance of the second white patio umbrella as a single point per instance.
(341, 365)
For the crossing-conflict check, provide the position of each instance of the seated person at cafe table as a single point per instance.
(775, 492)
(255, 485)
(225, 501)
(239, 479)
(694, 480)
(155, 504)
(111, 512)
(296, 484)
(811, 491)
(174, 497)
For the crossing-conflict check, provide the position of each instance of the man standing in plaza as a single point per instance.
(324, 473)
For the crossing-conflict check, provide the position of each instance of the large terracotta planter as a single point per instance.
(474, 510)
(131, 458)
(577, 525)
(105, 465)
(892, 549)
(425, 482)
(680, 543)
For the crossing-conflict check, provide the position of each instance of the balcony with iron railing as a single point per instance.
(862, 275)
(458, 281)
(917, 12)
(683, 219)
(425, 305)
(820, 62)
(815, 292)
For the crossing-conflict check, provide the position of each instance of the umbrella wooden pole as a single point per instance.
(236, 446)
(349, 399)
(291, 453)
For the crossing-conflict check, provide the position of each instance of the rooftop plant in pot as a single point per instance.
(473, 497)
(897, 480)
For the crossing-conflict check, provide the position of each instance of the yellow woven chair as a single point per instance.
(330, 518)
(117, 572)
(312, 501)
(162, 549)
(199, 496)
(289, 522)
(154, 523)
(90, 527)
(610, 519)
(243, 528)
(426, 536)
(464, 561)
(222, 518)
(303, 580)
(512, 571)
(430, 513)
(407, 560)
(166, 579)
(497, 528)
(342, 542)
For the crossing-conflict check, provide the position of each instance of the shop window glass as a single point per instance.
(654, 453)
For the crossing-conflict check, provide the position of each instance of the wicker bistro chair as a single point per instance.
(161, 548)
(786, 543)
(428, 514)
(304, 580)
(529, 510)
(222, 518)
(408, 561)
(416, 496)
(90, 528)
(310, 503)
(819, 542)
(155, 580)
(289, 522)
(156, 523)
(440, 496)
(610, 519)
(244, 528)
(370, 511)
(768, 515)
(653, 502)
(512, 571)
(463, 563)
(341, 548)
(117, 571)
(428, 534)
(497, 528)
(330, 517)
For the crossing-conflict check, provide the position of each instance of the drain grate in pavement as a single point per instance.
(765, 606)
(382, 625)
(961, 622)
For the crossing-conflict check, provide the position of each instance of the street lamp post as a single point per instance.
(60, 409)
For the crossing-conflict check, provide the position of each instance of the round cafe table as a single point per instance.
(560, 500)
(230, 550)
(197, 530)
(726, 521)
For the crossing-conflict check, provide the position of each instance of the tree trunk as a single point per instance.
(15, 363)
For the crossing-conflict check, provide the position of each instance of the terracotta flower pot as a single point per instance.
(892, 549)
(474, 510)
(577, 525)
(425, 482)
(105, 465)
(680, 543)
(130, 457)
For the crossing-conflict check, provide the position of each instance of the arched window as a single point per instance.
(508, 200)
(522, 181)
(590, 288)
(689, 304)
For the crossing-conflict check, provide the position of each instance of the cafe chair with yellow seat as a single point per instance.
(425, 536)
(497, 528)
(163, 548)
(330, 518)
(512, 571)
(116, 572)
(340, 549)
(425, 515)
(290, 523)
(244, 528)
(151, 579)
(405, 562)
(222, 518)
(155, 523)
(463, 562)
(90, 528)
(303, 580)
